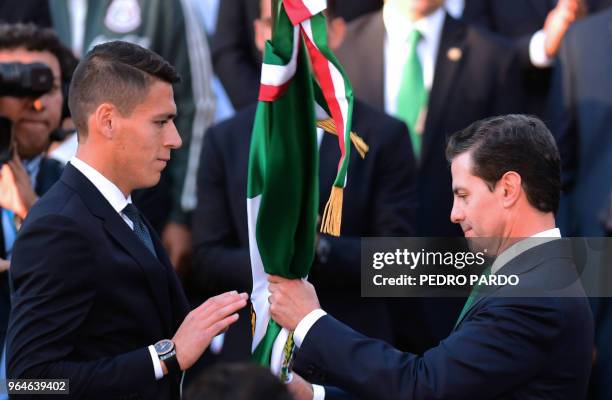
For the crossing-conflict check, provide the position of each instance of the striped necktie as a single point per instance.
(140, 229)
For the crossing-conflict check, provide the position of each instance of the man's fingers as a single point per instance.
(221, 326)
(221, 300)
(212, 316)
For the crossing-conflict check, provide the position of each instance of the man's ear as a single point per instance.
(105, 120)
(511, 188)
(336, 32)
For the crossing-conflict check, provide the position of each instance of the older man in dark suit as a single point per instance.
(95, 298)
(414, 61)
(508, 343)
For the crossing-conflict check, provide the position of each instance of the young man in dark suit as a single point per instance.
(95, 298)
(379, 200)
(506, 185)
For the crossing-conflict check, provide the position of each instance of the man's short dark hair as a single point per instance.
(518, 143)
(237, 381)
(119, 73)
(34, 38)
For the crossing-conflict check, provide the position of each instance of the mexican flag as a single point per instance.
(301, 81)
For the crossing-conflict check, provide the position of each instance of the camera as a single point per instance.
(20, 80)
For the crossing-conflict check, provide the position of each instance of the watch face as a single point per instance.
(164, 346)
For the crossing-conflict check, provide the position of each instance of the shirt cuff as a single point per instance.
(318, 392)
(537, 50)
(159, 372)
(305, 324)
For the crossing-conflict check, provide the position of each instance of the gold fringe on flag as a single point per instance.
(332, 216)
(329, 126)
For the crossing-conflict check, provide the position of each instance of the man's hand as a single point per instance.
(177, 241)
(291, 300)
(16, 192)
(558, 22)
(4, 265)
(299, 388)
(214, 316)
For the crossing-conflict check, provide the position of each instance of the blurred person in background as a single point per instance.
(536, 29)
(29, 174)
(581, 116)
(239, 381)
(235, 57)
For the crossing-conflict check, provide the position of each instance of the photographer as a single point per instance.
(28, 174)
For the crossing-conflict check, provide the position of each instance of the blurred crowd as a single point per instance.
(420, 70)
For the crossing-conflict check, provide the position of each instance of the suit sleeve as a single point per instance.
(52, 296)
(392, 211)
(232, 52)
(221, 263)
(499, 347)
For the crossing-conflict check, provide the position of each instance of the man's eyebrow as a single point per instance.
(457, 189)
(165, 116)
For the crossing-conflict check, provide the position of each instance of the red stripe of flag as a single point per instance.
(321, 69)
(296, 11)
(271, 92)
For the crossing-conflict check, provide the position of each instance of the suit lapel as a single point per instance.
(116, 227)
(446, 70)
(522, 264)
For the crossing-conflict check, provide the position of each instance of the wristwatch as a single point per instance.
(167, 353)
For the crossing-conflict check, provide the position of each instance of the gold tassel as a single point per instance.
(332, 216)
(253, 321)
(329, 126)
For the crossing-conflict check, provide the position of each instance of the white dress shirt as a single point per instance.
(397, 31)
(118, 201)
(301, 330)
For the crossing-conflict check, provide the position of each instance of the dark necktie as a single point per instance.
(140, 229)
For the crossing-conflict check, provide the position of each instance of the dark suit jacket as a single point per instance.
(88, 298)
(49, 172)
(504, 348)
(482, 83)
(379, 199)
(581, 116)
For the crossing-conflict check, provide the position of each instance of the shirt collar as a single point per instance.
(109, 190)
(398, 27)
(524, 245)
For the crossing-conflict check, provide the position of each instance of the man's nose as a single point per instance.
(174, 140)
(457, 215)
